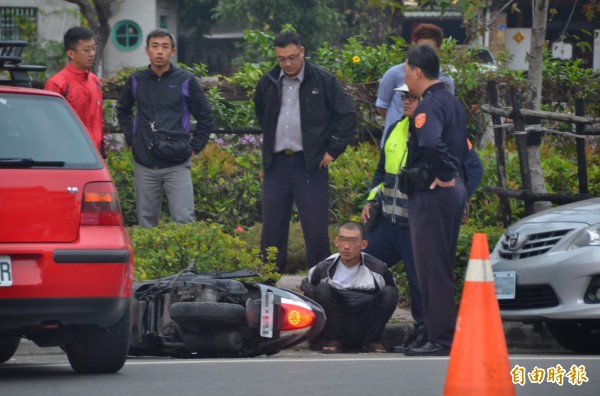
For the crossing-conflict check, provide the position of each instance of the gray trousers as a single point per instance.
(175, 181)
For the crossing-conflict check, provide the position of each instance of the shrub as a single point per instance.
(170, 248)
(120, 164)
(463, 252)
(350, 178)
(296, 258)
(228, 182)
(227, 186)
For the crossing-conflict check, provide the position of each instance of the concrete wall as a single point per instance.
(147, 14)
(54, 16)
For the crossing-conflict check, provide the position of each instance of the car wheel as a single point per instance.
(217, 313)
(8, 347)
(577, 336)
(102, 349)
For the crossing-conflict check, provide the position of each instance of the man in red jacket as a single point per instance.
(79, 85)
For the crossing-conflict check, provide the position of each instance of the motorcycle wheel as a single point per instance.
(221, 313)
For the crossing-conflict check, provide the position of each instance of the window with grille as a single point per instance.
(15, 21)
(126, 35)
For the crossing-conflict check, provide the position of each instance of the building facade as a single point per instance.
(131, 21)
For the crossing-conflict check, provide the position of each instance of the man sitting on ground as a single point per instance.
(357, 292)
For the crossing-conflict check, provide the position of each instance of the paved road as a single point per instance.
(289, 373)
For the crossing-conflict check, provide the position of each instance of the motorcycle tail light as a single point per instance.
(295, 315)
(100, 206)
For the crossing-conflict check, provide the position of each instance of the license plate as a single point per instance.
(505, 284)
(5, 271)
(267, 305)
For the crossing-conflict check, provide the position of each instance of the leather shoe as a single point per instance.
(406, 346)
(429, 349)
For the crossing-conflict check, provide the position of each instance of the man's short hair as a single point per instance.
(284, 39)
(429, 31)
(160, 33)
(353, 225)
(425, 58)
(74, 34)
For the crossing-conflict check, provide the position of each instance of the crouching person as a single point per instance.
(357, 292)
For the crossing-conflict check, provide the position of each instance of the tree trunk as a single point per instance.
(534, 93)
(97, 13)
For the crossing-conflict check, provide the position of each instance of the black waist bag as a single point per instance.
(171, 146)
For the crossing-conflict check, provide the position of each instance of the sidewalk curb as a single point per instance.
(518, 336)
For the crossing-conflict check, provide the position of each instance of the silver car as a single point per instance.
(547, 269)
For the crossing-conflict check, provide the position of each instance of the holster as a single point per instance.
(415, 179)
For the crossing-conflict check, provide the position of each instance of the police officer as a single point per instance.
(389, 239)
(437, 145)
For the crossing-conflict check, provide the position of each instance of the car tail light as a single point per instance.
(295, 315)
(100, 205)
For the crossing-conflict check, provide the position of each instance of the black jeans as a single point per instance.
(356, 329)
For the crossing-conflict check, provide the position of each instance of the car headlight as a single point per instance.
(589, 236)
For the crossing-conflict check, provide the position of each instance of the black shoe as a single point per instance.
(404, 347)
(416, 342)
(399, 348)
(429, 349)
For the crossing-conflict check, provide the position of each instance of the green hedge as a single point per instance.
(227, 181)
(169, 248)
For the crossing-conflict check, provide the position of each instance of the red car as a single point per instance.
(66, 262)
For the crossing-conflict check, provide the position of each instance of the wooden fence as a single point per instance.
(526, 126)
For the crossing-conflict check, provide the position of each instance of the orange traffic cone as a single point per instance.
(479, 362)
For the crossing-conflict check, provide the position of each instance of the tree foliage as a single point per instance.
(96, 14)
(316, 20)
(196, 17)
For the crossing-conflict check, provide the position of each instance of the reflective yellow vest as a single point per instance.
(396, 153)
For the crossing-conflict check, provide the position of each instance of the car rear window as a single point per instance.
(44, 129)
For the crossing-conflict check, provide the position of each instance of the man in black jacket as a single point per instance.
(357, 292)
(307, 120)
(166, 97)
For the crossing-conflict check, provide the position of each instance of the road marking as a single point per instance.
(14, 363)
(324, 359)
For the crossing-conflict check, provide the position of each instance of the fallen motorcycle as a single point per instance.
(198, 314)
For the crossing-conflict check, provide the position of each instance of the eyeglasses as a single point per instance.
(88, 50)
(408, 97)
(292, 58)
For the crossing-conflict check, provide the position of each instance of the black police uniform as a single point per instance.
(437, 145)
